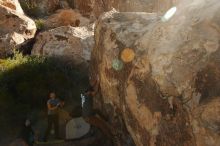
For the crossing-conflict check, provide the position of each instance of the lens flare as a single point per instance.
(169, 14)
(127, 55)
(117, 64)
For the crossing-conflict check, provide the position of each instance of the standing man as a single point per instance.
(27, 133)
(53, 104)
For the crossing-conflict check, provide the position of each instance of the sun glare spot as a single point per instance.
(169, 14)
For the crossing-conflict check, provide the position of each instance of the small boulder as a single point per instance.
(71, 43)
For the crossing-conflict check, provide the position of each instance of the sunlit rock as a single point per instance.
(72, 43)
(15, 27)
(12, 4)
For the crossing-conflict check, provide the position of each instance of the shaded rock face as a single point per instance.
(168, 95)
(72, 43)
(41, 8)
(93, 8)
(15, 27)
(18, 142)
(65, 17)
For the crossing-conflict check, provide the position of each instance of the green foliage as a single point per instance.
(25, 83)
(39, 24)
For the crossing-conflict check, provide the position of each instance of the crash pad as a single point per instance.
(76, 128)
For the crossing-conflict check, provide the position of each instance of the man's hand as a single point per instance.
(50, 107)
(58, 105)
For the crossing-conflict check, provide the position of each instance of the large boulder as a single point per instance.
(71, 43)
(15, 27)
(65, 17)
(159, 78)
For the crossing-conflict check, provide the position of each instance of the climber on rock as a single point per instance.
(53, 104)
(87, 109)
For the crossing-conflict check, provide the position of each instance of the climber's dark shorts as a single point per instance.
(87, 109)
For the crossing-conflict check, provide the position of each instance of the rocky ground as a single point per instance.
(159, 74)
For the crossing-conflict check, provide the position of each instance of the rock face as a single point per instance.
(168, 95)
(74, 43)
(93, 8)
(15, 27)
(65, 17)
